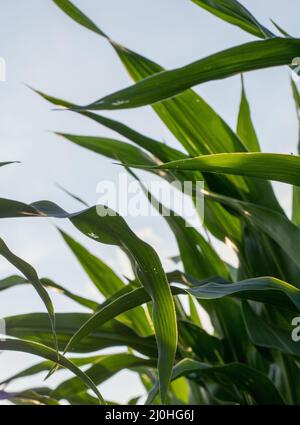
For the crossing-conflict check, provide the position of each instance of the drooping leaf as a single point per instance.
(103, 369)
(47, 353)
(106, 226)
(30, 274)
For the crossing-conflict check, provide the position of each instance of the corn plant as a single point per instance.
(251, 357)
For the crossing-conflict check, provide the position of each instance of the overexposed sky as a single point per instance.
(42, 47)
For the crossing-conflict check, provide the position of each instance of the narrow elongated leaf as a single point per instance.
(206, 347)
(71, 10)
(2, 164)
(245, 127)
(159, 150)
(30, 273)
(280, 29)
(270, 166)
(263, 289)
(247, 57)
(266, 335)
(235, 13)
(197, 255)
(45, 366)
(28, 397)
(256, 384)
(199, 129)
(13, 281)
(111, 148)
(296, 190)
(35, 327)
(107, 282)
(47, 353)
(106, 226)
(100, 371)
(103, 277)
(287, 234)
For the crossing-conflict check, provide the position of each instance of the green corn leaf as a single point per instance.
(245, 127)
(12, 281)
(112, 229)
(270, 166)
(45, 365)
(280, 29)
(256, 384)
(30, 273)
(107, 282)
(206, 347)
(74, 13)
(103, 369)
(156, 148)
(296, 190)
(199, 129)
(197, 255)
(115, 149)
(235, 13)
(2, 164)
(266, 335)
(28, 397)
(287, 234)
(35, 327)
(263, 289)
(47, 353)
(247, 57)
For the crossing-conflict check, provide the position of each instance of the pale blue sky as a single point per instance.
(45, 49)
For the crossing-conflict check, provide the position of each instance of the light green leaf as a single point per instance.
(270, 166)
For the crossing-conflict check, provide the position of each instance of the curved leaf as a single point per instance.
(265, 335)
(235, 13)
(270, 166)
(104, 225)
(256, 384)
(263, 289)
(30, 273)
(12, 281)
(35, 327)
(47, 353)
(247, 57)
